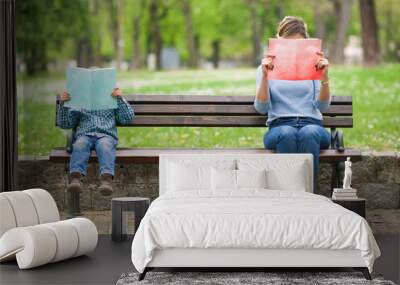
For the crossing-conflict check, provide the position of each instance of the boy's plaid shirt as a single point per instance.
(95, 122)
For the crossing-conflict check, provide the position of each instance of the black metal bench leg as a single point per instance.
(364, 271)
(74, 208)
(337, 174)
(334, 179)
(143, 274)
(73, 199)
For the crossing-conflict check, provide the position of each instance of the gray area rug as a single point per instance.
(233, 278)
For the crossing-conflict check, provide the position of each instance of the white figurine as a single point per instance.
(347, 174)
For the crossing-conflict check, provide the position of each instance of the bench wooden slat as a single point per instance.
(212, 111)
(210, 99)
(222, 110)
(222, 121)
(151, 155)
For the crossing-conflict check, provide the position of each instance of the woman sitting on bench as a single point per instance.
(294, 107)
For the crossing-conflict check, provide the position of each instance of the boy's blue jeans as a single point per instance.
(298, 135)
(105, 147)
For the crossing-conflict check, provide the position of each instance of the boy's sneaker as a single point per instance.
(75, 184)
(105, 187)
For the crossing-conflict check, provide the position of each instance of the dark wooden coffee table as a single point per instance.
(137, 205)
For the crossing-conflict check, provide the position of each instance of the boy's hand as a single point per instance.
(117, 93)
(65, 97)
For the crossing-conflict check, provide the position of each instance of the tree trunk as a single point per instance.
(369, 31)
(190, 41)
(84, 53)
(159, 45)
(80, 54)
(36, 58)
(116, 27)
(255, 31)
(392, 44)
(264, 22)
(120, 43)
(136, 60)
(342, 14)
(84, 46)
(149, 42)
(215, 55)
(96, 46)
(388, 32)
(42, 59)
(155, 31)
(197, 48)
(279, 12)
(319, 21)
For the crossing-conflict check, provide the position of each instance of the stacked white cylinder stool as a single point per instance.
(31, 231)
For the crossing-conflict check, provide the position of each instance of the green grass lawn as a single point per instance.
(375, 91)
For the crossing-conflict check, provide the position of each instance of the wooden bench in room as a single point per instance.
(218, 111)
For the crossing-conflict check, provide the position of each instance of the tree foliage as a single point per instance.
(51, 31)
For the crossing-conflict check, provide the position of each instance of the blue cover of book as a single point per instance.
(91, 89)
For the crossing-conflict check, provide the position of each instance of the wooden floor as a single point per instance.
(110, 260)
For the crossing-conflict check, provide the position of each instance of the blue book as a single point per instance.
(91, 89)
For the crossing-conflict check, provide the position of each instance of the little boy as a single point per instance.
(95, 129)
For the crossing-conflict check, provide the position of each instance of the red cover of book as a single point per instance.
(294, 59)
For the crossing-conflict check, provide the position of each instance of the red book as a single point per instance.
(295, 59)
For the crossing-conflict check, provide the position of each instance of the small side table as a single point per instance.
(137, 205)
(355, 205)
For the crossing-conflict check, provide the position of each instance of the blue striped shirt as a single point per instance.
(291, 98)
(95, 122)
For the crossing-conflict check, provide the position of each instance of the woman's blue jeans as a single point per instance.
(105, 147)
(298, 135)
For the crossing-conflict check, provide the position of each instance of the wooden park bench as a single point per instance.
(216, 111)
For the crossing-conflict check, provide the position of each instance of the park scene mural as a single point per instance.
(206, 47)
(200, 141)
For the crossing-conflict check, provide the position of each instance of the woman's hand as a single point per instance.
(117, 93)
(267, 64)
(64, 97)
(322, 64)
